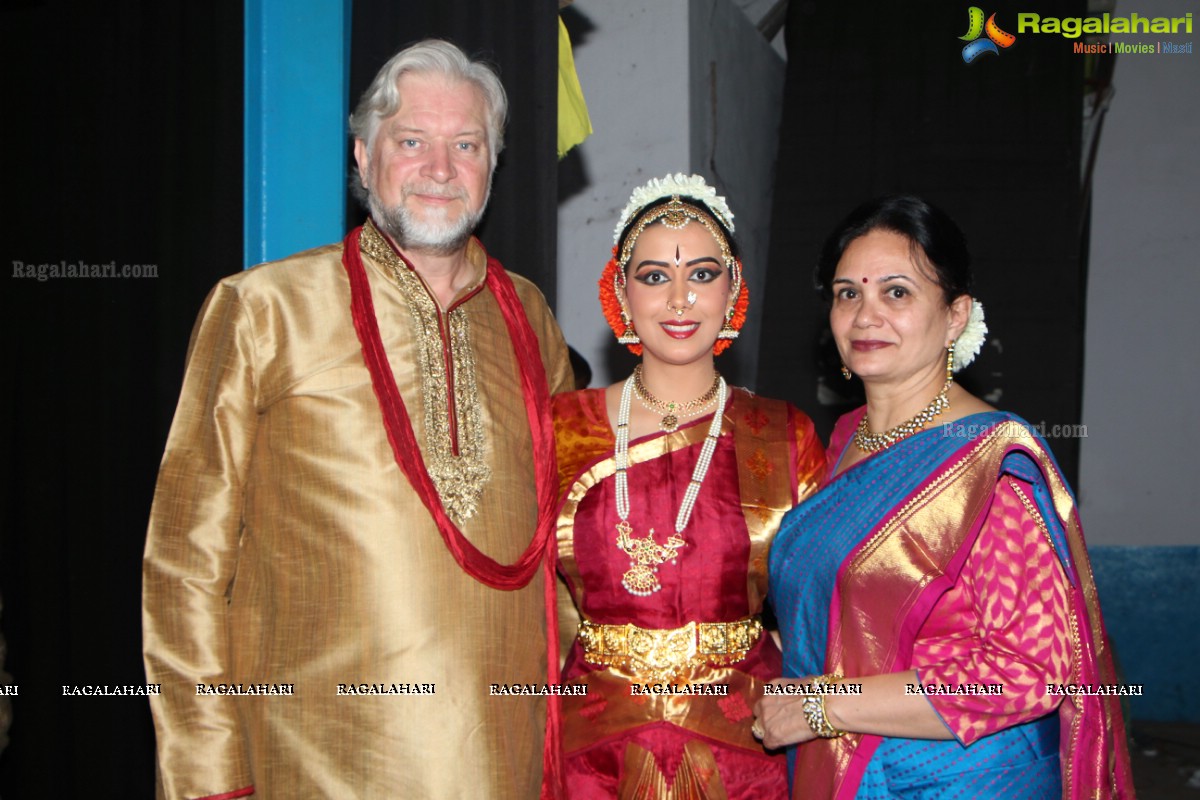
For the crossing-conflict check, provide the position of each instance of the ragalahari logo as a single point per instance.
(976, 27)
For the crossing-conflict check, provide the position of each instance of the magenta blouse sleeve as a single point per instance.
(1000, 634)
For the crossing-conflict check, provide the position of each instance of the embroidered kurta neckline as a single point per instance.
(455, 450)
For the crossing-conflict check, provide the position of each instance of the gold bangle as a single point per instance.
(814, 709)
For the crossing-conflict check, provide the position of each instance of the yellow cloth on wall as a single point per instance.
(574, 124)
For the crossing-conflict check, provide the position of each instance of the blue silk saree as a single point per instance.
(854, 572)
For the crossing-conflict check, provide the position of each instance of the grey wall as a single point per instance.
(735, 106)
(1141, 377)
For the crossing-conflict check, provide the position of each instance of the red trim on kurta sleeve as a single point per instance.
(245, 791)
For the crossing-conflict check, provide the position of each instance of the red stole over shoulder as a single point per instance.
(535, 390)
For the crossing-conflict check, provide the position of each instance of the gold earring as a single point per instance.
(727, 330)
(845, 372)
(629, 335)
(950, 362)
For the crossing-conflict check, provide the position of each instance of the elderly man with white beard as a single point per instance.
(345, 548)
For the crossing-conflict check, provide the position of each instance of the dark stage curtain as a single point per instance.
(123, 144)
(878, 99)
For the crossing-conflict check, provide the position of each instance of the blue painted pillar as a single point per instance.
(297, 77)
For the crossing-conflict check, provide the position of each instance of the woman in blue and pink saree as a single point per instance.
(942, 635)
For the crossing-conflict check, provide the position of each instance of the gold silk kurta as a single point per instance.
(286, 547)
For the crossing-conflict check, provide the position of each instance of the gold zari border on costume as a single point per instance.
(459, 479)
(697, 777)
(662, 653)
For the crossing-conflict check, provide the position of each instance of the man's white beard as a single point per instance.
(434, 233)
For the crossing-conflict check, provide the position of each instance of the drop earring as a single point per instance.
(629, 335)
(727, 330)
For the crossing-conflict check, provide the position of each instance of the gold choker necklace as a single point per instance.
(671, 411)
(874, 442)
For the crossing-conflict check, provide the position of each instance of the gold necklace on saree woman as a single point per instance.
(874, 442)
(672, 411)
(645, 554)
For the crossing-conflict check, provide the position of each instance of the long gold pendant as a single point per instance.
(645, 557)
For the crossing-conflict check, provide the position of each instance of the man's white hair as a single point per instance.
(431, 57)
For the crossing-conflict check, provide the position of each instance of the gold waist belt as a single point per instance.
(662, 653)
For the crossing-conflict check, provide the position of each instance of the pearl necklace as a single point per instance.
(671, 411)
(874, 442)
(645, 554)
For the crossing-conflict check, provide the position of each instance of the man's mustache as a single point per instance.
(436, 190)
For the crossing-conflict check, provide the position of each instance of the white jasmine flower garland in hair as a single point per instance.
(668, 185)
(970, 341)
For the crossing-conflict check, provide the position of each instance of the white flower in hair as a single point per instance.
(970, 341)
(668, 185)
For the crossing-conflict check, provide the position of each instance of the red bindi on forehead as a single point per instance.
(864, 280)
